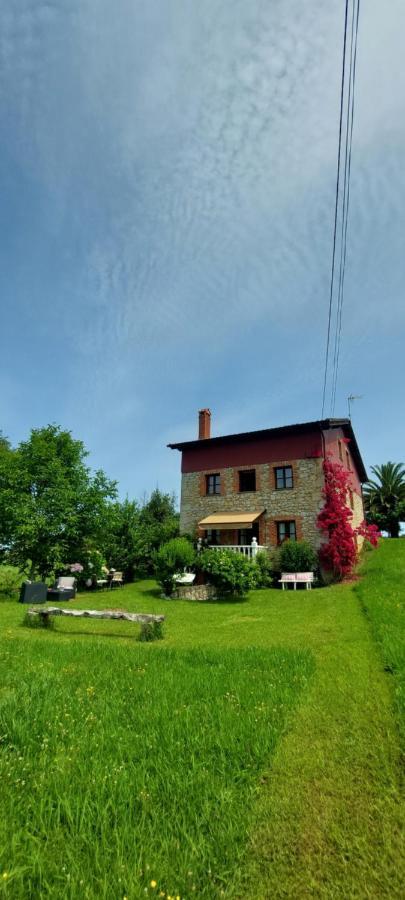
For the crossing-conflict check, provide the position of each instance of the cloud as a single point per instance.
(177, 164)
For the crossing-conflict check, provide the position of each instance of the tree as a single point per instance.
(8, 484)
(132, 533)
(385, 497)
(51, 501)
(158, 523)
(120, 541)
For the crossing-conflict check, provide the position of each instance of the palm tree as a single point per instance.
(385, 497)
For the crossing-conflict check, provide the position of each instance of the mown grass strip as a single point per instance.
(128, 767)
(382, 595)
(330, 821)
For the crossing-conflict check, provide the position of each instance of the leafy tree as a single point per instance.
(8, 483)
(385, 497)
(133, 533)
(121, 539)
(51, 504)
(158, 523)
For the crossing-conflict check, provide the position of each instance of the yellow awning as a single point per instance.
(224, 521)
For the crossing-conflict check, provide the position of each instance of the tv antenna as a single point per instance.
(350, 399)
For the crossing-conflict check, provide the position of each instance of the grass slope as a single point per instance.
(311, 809)
(122, 768)
(382, 595)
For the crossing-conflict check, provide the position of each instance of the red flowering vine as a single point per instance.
(339, 553)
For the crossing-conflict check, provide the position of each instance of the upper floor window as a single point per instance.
(340, 451)
(247, 480)
(286, 531)
(213, 483)
(284, 477)
(348, 460)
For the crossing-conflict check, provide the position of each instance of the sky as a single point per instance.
(167, 183)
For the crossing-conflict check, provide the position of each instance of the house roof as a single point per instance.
(283, 431)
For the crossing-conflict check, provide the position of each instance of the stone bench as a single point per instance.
(295, 578)
(150, 624)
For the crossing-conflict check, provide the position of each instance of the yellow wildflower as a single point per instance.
(153, 884)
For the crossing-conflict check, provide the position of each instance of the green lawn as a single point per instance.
(254, 752)
(382, 597)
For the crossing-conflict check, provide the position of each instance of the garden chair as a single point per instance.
(117, 580)
(63, 589)
(99, 584)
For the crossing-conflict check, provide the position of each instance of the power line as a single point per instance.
(343, 214)
(349, 141)
(332, 278)
(342, 196)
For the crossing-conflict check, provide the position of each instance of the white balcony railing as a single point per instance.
(249, 550)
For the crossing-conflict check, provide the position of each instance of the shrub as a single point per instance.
(338, 555)
(38, 621)
(230, 572)
(264, 570)
(297, 556)
(91, 565)
(171, 558)
(152, 631)
(11, 580)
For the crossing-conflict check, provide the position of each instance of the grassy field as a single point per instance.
(254, 752)
(381, 594)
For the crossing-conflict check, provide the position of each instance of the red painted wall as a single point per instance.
(332, 439)
(250, 453)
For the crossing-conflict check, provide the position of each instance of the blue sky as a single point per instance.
(167, 174)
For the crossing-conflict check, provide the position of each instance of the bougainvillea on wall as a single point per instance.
(338, 554)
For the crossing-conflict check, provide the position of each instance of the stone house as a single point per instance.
(262, 487)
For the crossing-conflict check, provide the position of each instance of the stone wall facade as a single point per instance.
(300, 503)
(198, 592)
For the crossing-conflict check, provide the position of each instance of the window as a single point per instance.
(247, 480)
(283, 477)
(246, 535)
(213, 536)
(351, 499)
(286, 532)
(213, 484)
(348, 460)
(340, 451)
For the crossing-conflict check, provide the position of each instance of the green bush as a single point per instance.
(230, 572)
(38, 621)
(171, 558)
(152, 631)
(264, 570)
(297, 556)
(11, 580)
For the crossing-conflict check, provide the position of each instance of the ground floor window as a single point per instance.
(213, 536)
(286, 531)
(246, 535)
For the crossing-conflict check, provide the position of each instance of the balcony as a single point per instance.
(248, 550)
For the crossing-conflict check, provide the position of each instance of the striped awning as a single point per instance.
(226, 520)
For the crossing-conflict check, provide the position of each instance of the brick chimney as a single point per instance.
(204, 424)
